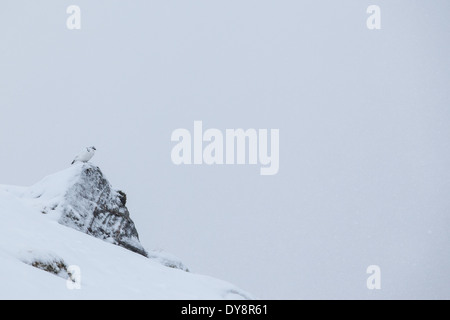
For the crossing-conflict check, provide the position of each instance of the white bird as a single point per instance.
(85, 156)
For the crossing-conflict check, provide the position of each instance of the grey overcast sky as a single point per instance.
(363, 116)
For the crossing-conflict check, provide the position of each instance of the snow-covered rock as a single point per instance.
(90, 204)
(40, 241)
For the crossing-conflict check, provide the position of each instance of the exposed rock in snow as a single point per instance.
(92, 206)
(47, 262)
(168, 260)
(83, 199)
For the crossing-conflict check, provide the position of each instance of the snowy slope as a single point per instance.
(31, 234)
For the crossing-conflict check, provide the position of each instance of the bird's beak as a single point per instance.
(94, 148)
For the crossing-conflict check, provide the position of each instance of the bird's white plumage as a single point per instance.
(85, 155)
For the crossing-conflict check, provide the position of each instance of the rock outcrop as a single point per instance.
(80, 197)
(92, 206)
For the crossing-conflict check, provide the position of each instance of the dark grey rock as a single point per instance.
(92, 206)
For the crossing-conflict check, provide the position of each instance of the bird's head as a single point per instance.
(92, 149)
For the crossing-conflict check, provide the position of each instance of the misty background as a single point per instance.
(363, 118)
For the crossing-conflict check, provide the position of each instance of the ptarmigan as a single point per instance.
(85, 156)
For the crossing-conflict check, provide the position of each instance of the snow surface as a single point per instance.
(107, 271)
